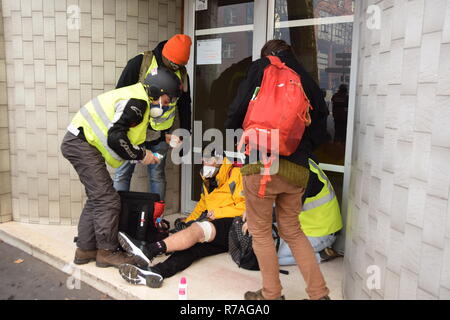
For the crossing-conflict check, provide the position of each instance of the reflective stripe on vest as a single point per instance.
(161, 119)
(321, 201)
(321, 214)
(165, 121)
(96, 116)
(98, 132)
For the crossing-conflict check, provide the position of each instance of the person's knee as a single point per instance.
(124, 172)
(260, 231)
(291, 234)
(109, 200)
(207, 231)
(157, 172)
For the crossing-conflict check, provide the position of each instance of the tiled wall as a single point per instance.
(52, 69)
(5, 168)
(399, 208)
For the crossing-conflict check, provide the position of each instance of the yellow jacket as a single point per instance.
(227, 200)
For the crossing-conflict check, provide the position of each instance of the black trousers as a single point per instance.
(181, 260)
(99, 220)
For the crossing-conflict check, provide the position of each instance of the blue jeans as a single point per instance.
(285, 257)
(156, 173)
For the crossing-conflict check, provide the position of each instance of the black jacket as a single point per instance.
(314, 135)
(130, 75)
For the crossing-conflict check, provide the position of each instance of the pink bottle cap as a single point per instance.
(183, 280)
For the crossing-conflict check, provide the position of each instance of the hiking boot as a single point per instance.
(113, 258)
(328, 254)
(135, 275)
(84, 256)
(257, 295)
(135, 248)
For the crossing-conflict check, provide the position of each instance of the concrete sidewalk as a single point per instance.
(212, 278)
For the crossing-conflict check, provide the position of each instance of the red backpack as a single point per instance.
(280, 104)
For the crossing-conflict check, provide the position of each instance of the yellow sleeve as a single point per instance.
(238, 207)
(199, 208)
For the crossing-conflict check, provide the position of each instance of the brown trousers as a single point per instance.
(287, 198)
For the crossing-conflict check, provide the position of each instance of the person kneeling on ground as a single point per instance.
(320, 218)
(222, 200)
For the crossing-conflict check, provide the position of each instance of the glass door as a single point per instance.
(224, 42)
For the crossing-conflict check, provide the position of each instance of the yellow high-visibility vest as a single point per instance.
(320, 215)
(165, 121)
(96, 116)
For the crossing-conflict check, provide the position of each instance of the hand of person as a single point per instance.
(211, 215)
(244, 216)
(172, 140)
(245, 228)
(180, 224)
(168, 137)
(149, 158)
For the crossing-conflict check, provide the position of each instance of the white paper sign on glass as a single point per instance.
(209, 51)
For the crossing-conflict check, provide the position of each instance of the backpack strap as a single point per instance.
(146, 61)
(266, 175)
(184, 79)
(276, 61)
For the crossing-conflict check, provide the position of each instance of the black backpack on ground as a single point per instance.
(240, 245)
(137, 216)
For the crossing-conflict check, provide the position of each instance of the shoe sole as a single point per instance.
(83, 261)
(105, 265)
(129, 247)
(134, 275)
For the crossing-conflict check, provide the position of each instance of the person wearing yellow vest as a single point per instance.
(203, 233)
(110, 129)
(172, 54)
(320, 218)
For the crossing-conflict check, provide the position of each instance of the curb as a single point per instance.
(68, 267)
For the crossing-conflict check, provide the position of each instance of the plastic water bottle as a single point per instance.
(182, 289)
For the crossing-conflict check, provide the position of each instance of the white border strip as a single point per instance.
(205, 32)
(313, 22)
(331, 167)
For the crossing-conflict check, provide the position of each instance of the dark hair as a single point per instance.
(343, 88)
(273, 47)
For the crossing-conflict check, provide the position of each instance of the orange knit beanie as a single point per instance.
(177, 49)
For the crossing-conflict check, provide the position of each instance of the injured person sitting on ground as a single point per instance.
(203, 233)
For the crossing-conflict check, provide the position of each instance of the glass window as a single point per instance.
(229, 50)
(224, 14)
(230, 16)
(326, 56)
(324, 49)
(308, 9)
(216, 86)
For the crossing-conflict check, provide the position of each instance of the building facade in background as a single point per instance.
(391, 173)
